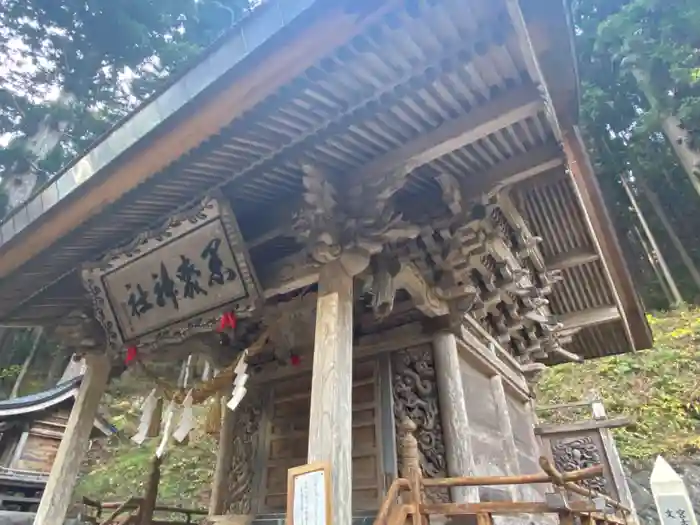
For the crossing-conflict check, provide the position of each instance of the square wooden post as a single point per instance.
(224, 459)
(330, 422)
(74, 445)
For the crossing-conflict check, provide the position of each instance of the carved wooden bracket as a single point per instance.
(486, 262)
(350, 223)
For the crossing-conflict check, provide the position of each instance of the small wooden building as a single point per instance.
(395, 202)
(31, 429)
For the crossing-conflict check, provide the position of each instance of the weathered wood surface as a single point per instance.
(286, 439)
(580, 426)
(591, 199)
(64, 474)
(330, 422)
(224, 457)
(453, 412)
(510, 451)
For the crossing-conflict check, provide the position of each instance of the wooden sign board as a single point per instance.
(309, 495)
(197, 264)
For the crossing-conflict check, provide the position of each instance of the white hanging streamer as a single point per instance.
(186, 423)
(147, 410)
(166, 429)
(241, 378)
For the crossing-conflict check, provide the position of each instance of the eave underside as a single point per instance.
(443, 88)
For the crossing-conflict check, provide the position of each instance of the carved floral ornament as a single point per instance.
(173, 283)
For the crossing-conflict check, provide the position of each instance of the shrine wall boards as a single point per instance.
(272, 428)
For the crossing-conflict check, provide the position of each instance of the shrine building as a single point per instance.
(386, 204)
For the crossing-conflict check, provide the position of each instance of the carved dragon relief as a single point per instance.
(575, 453)
(240, 485)
(416, 397)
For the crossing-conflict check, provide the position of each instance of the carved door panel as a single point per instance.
(287, 437)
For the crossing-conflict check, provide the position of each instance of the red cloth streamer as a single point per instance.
(295, 360)
(130, 354)
(228, 320)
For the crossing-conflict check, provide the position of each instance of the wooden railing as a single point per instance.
(404, 502)
(127, 512)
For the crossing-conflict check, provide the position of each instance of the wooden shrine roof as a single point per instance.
(38, 405)
(356, 87)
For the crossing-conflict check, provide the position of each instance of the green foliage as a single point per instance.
(621, 119)
(117, 468)
(108, 55)
(658, 389)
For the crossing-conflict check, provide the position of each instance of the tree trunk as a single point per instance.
(677, 298)
(21, 177)
(654, 266)
(666, 222)
(38, 332)
(676, 135)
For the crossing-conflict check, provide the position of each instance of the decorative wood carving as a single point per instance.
(381, 283)
(247, 424)
(574, 453)
(350, 223)
(485, 262)
(173, 282)
(416, 398)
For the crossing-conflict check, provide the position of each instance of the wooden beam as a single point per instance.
(590, 424)
(571, 259)
(599, 222)
(590, 317)
(330, 420)
(288, 274)
(424, 298)
(569, 356)
(532, 63)
(66, 467)
(521, 167)
(498, 113)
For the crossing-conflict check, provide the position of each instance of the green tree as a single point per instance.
(632, 126)
(71, 69)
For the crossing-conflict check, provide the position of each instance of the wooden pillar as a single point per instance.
(453, 414)
(510, 451)
(330, 422)
(64, 474)
(224, 458)
(619, 478)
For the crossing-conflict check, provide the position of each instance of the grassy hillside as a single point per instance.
(659, 389)
(118, 468)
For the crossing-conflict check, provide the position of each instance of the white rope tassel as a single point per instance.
(186, 423)
(166, 430)
(147, 410)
